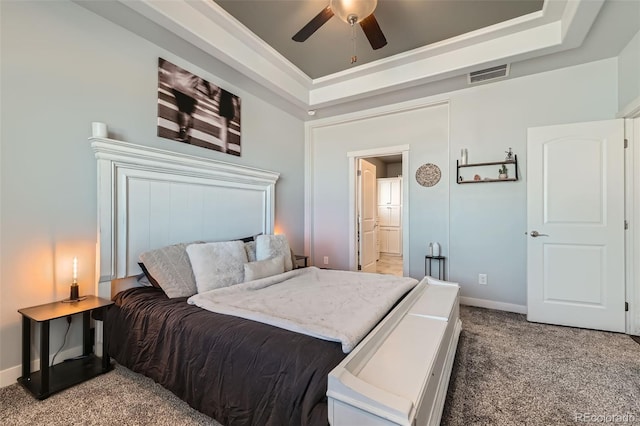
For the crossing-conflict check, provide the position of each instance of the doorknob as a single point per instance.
(535, 234)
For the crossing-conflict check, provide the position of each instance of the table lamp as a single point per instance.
(74, 291)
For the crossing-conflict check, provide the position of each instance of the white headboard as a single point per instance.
(149, 198)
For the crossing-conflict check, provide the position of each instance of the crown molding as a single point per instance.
(560, 25)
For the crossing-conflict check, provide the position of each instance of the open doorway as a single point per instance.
(379, 213)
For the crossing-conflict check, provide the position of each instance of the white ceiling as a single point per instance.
(561, 34)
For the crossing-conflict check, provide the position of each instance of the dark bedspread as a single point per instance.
(238, 371)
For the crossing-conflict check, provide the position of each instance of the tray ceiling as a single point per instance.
(407, 25)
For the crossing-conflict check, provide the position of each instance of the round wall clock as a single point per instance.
(428, 174)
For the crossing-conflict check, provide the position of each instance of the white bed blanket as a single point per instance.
(339, 306)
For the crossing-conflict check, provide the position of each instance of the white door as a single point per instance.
(575, 215)
(367, 207)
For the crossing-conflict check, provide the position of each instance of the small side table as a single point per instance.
(304, 258)
(51, 379)
(427, 265)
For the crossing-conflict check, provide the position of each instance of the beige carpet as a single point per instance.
(507, 372)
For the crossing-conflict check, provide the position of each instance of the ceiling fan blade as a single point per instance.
(373, 32)
(313, 24)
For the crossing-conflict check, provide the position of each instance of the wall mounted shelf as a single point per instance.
(513, 162)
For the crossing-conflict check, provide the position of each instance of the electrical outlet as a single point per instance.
(482, 279)
(326, 260)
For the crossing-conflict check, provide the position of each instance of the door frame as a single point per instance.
(353, 157)
(632, 212)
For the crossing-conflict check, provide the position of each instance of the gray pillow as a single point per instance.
(171, 268)
(217, 265)
(250, 248)
(268, 246)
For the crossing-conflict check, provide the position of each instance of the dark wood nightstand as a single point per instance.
(300, 257)
(51, 379)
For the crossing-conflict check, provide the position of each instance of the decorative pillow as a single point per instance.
(250, 248)
(268, 246)
(263, 268)
(171, 269)
(217, 265)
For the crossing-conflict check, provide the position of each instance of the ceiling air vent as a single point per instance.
(489, 74)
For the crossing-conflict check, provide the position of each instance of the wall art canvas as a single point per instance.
(192, 110)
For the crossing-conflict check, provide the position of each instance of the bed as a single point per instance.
(237, 370)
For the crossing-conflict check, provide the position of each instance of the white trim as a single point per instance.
(491, 304)
(10, 375)
(632, 133)
(308, 194)
(378, 152)
(560, 26)
(628, 215)
(353, 221)
(631, 110)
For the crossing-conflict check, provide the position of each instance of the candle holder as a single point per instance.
(74, 294)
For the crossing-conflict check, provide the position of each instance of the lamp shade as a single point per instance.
(358, 8)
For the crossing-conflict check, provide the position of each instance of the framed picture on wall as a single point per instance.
(192, 110)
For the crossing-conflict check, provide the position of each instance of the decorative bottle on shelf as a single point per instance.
(463, 156)
(436, 250)
(430, 249)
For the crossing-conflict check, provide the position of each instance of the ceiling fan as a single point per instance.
(351, 12)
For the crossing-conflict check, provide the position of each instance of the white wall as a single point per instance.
(481, 226)
(629, 73)
(63, 67)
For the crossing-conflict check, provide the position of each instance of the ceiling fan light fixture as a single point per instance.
(346, 9)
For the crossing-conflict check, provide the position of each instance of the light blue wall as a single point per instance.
(425, 129)
(629, 73)
(62, 68)
(480, 226)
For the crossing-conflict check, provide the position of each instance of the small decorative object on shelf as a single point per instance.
(509, 156)
(503, 173)
(98, 130)
(464, 156)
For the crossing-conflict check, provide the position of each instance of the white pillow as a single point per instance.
(263, 268)
(268, 246)
(217, 265)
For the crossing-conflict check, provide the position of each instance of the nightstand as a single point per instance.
(300, 257)
(51, 379)
(427, 265)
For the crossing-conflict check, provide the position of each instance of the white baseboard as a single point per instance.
(490, 304)
(11, 374)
